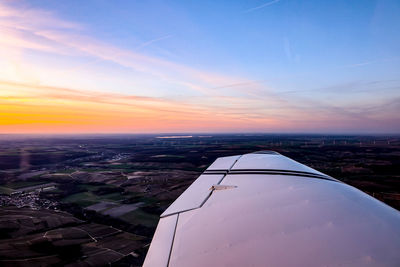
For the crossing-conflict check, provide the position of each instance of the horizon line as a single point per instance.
(205, 133)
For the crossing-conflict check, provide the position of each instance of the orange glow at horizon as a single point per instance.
(32, 108)
(35, 109)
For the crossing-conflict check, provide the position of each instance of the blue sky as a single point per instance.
(290, 66)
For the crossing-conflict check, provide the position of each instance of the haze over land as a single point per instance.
(195, 66)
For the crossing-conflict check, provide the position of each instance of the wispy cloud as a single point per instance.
(261, 6)
(34, 29)
(350, 87)
(365, 63)
(98, 60)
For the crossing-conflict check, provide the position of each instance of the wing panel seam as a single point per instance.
(173, 240)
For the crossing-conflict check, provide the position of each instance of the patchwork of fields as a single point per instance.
(127, 181)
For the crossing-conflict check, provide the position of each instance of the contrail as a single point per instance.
(238, 84)
(261, 6)
(359, 64)
(154, 41)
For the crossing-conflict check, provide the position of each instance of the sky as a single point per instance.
(282, 66)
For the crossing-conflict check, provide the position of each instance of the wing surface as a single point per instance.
(264, 209)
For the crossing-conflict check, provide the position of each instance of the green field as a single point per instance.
(140, 217)
(93, 187)
(85, 199)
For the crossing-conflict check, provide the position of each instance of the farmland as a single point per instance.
(126, 181)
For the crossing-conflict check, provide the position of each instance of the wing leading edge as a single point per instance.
(264, 209)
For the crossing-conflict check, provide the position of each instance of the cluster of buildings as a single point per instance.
(28, 198)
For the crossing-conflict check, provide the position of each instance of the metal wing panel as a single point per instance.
(271, 162)
(160, 248)
(223, 163)
(195, 195)
(272, 220)
(277, 219)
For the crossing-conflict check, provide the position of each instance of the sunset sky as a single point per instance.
(285, 66)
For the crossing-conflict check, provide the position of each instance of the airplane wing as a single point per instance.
(264, 209)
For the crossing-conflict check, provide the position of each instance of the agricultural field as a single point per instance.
(126, 181)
